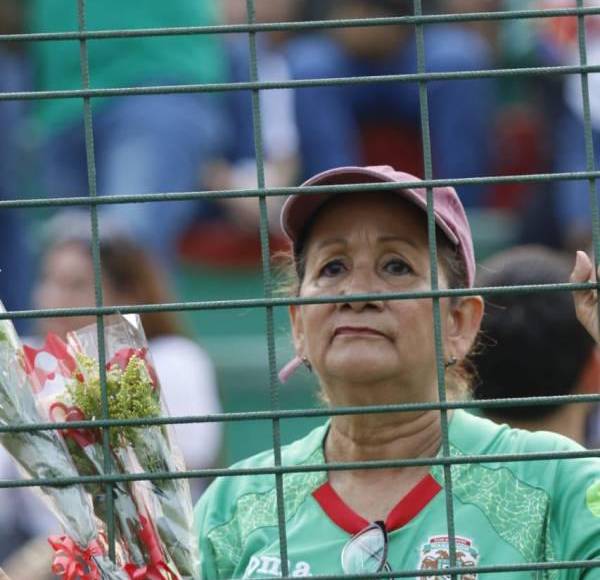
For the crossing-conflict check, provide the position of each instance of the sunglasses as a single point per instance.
(366, 551)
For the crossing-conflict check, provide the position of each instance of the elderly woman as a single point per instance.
(379, 352)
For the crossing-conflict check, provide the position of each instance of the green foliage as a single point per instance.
(8, 334)
(131, 395)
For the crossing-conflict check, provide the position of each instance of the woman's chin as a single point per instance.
(361, 369)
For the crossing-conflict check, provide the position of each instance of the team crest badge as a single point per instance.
(435, 556)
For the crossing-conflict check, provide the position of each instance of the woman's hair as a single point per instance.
(126, 266)
(130, 269)
(292, 266)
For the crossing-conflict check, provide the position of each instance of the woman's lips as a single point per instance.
(357, 331)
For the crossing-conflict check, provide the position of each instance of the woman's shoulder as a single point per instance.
(234, 507)
(260, 468)
(473, 434)
(295, 453)
(541, 459)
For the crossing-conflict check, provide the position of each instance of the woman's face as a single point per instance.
(374, 243)
(67, 281)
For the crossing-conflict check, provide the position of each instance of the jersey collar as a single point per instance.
(402, 513)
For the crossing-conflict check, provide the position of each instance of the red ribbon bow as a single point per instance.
(157, 569)
(159, 572)
(73, 563)
(83, 437)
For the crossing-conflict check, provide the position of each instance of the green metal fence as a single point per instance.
(267, 302)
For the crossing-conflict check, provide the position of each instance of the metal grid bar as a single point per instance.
(302, 26)
(307, 413)
(92, 186)
(268, 302)
(303, 83)
(265, 302)
(284, 191)
(268, 291)
(338, 466)
(589, 143)
(440, 356)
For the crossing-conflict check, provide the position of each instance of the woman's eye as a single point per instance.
(397, 267)
(332, 268)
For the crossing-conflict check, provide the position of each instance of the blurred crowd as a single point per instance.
(187, 141)
(202, 141)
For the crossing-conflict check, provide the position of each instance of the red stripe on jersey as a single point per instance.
(403, 512)
(412, 503)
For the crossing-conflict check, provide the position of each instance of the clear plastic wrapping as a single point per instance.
(43, 455)
(153, 519)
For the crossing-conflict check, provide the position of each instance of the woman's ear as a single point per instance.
(297, 328)
(462, 327)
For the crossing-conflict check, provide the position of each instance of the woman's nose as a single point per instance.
(362, 282)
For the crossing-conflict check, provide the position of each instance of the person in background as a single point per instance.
(32, 560)
(334, 121)
(533, 345)
(487, 28)
(152, 143)
(560, 216)
(237, 169)
(15, 251)
(130, 276)
(572, 198)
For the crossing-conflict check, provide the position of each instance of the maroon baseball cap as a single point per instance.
(448, 210)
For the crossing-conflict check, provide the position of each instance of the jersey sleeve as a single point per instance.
(217, 531)
(208, 567)
(575, 515)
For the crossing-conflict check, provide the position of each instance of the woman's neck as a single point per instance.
(380, 437)
(383, 436)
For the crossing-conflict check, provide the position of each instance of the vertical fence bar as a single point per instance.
(267, 287)
(589, 139)
(437, 326)
(91, 174)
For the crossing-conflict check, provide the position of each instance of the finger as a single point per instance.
(583, 270)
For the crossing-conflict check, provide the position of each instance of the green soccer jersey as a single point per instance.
(120, 62)
(505, 513)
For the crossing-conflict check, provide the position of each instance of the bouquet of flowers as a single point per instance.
(81, 552)
(134, 392)
(153, 519)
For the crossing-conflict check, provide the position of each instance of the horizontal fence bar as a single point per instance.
(302, 413)
(287, 301)
(309, 468)
(301, 83)
(299, 26)
(295, 190)
(471, 570)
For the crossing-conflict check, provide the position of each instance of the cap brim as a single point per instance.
(298, 209)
